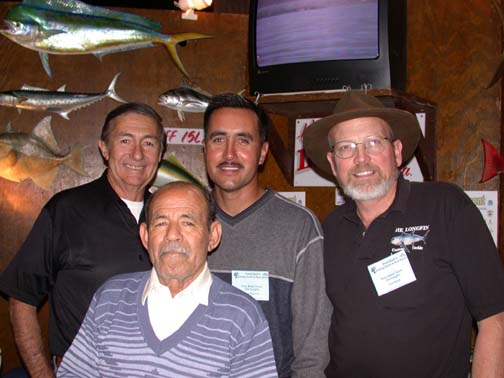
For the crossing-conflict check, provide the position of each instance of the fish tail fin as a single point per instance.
(171, 45)
(74, 161)
(111, 89)
(425, 236)
(45, 180)
(493, 164)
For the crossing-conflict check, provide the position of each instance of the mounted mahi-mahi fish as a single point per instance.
(59, 101)
(170, 169)
(71, 27)
(35, 156)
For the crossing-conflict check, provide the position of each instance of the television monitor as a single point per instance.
(320, 45)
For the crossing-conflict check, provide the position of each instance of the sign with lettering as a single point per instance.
(176, 135)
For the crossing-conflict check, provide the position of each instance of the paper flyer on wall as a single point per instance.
(487, 203)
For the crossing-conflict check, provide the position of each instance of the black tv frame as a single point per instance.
(386, 71)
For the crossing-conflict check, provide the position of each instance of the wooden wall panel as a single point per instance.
(453, 49)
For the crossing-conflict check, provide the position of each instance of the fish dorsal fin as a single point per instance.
(27, 87)
(62, 88)
(8, 128)
(194, 87)
(79, 7)
(44, 132)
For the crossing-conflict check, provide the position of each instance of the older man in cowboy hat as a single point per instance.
(408, 266)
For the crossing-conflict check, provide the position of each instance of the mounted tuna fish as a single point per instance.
(185, 99)
(71, 27)
(59, 101)
(35, 156)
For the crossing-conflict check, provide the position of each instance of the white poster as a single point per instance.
(297, 197)
(486, 201)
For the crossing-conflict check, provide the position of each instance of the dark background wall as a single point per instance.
(453, 50)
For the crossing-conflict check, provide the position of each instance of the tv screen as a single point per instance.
(307, 31)
(299, 45)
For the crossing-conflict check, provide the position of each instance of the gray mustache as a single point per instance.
(173, 248)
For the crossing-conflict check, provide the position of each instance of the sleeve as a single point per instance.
(311, 311)
(253, 356)
(30, 275)
(475, 260)
(80, 360)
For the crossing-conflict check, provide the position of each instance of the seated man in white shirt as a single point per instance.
(177, 320)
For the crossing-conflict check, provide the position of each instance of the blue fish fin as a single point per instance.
(44, 58)
(79, 7)
(44, 132)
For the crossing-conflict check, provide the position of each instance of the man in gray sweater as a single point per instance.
(271, 248)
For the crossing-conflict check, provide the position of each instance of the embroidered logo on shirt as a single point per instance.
(410, 238)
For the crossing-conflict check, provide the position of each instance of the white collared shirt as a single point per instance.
(166, 313)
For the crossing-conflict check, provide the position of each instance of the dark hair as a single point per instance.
(133, 107)
(233, 100)
(205, 193)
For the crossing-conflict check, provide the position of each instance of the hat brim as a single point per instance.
(404, 125)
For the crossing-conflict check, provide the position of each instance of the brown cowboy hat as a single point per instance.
(356, 104)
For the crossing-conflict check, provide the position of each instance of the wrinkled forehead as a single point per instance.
(179, 200)
(358, 128)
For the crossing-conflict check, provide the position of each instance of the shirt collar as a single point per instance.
(199, 289)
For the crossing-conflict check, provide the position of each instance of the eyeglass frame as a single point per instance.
(355, 144)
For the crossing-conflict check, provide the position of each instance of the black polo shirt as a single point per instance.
(422, 329)
(82, 237)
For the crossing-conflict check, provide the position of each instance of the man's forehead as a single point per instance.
(177, 200)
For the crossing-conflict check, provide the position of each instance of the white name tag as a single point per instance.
(253, 282)
(391, 273)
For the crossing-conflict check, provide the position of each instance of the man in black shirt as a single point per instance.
(83, 236)
(408, 265)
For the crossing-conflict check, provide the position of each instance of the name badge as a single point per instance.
(253, 282)
(391, 273)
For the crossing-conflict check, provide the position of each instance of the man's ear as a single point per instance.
(103, 149)
(397, 145)
(144, 235)
(215, 235)
(264, 152)
(332, 163)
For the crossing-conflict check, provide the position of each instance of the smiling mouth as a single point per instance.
(134, 167)
(229, 167)
(363, 173)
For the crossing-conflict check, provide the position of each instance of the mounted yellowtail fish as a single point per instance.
(185, 99)
(35, 156)
(61, 102)
(71, 27)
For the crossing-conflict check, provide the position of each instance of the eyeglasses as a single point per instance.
(346, 149)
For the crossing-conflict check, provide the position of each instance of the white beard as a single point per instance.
(367, 192)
